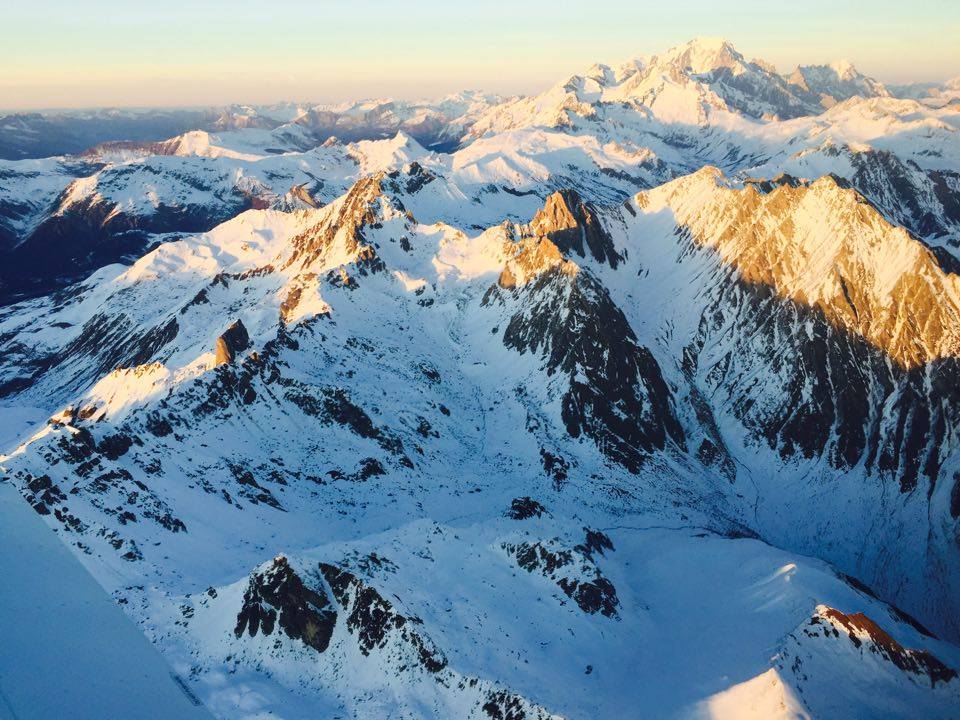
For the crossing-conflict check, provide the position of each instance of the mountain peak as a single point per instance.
(709, 44)
(866, 276)
(630, 68)
(844, 69)
(603, 74)
(835, 82)
(703, 54)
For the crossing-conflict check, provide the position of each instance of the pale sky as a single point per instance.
(87, 53)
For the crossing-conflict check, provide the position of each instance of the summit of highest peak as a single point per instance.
(708, 44)
(702, 54)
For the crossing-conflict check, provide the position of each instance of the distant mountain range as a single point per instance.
(639, 397)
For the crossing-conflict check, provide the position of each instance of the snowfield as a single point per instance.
(636, 398)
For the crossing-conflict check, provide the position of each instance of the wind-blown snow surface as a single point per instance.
(417, 436)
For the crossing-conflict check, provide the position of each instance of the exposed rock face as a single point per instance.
(739, 359)
(833, 83)
(333, 405)
(333, 611)
(301, 194)
(277, 596)
(375, 622)
(574, 226)
(501, 705)
(927, 202)
(863, 631)
(525, 508)
(87, 233)
(832, 337)
(414, 179)
(865, 635)
(862, 273)
(234, 340)
(528, 258)
(91, 469)
(340, 229)
(757, 92)
(595, 542)
(824, 311)
(573, 571)
(43, 494)
(827, 659)
(616, 394)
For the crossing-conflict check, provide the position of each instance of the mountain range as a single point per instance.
(507, 407)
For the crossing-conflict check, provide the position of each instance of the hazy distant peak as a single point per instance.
(844, 69)
(630, 67)
(701, 55)
(835, 82)
(603, 74)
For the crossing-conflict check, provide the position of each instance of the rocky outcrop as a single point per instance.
(829, 84)
(299, 193)
(333, 405)
(525, 508)
(340, 229)
(335, 612)
(866, 636)
(865, 275)
(278, 598)
(772, 371)
(820, 309)
(574, 226)
(529, 258)
(841, 664)
(865, 633)
(233, 341)
(831, 337)
(572, 570)
(616, 394)
(927, 202)
(410, 181)
(375, 622)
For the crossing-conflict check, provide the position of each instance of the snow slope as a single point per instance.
(653, 375)
(560, 436)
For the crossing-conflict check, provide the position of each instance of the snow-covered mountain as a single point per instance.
(43, 134)
(651, 376)
(932, 94)
(696, 83)
(835, 82)
(66, 217)
(436, 124)
(606, 133)
(433, 122)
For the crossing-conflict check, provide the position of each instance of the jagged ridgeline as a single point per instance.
(660, 383)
